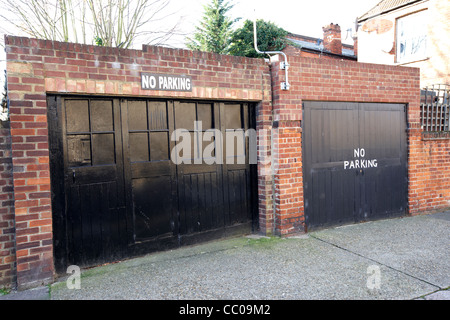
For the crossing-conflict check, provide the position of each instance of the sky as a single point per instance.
(305, 17)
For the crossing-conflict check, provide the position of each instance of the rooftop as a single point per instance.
(316, 44)
(385, 6)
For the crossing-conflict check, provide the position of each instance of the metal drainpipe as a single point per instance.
(283, 65)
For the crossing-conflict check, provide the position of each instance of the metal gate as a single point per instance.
(355, 162)
(117, 191)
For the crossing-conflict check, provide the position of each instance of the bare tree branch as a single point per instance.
(116, 22)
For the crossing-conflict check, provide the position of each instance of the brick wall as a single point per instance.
(7, 240)
(429, 172)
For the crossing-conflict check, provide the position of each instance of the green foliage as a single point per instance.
(270, 38)
(4, 291)
(215, 29)
(265, 242)
(98, 41)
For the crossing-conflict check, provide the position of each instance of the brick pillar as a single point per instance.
(30, 159)
(288, 184)
(332, 38)
(355, 45)
(265, 177)
(7, 243)
(287, 156)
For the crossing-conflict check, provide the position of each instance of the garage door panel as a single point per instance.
(143, 170)
(150, 172)
(236, 168)
(382, 133)
(77, 115)
(331, 197)
(238, 196)
(137, 115)
(159, 146)
(153, 207)
(343, 193)
(102, 117)
(94, 224)
(158, 115)
(185, 115)
(201, 202)
(354, 162)
(93, 179)
(382, 197)
(103, 144)
(332, 128)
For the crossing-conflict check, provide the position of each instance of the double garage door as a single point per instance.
(122, 188)
(354, 162)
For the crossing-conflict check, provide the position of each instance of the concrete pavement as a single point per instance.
(405, 258)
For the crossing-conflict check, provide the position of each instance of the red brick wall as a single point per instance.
(7, 243)
(37, 67)
(429, 172)
(287, 154)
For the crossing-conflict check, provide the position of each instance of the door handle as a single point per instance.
(73, 176)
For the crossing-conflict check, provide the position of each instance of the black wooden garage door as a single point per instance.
(117, 191)
(355, 162)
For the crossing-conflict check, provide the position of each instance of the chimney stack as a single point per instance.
(355, 45)
(332, 38)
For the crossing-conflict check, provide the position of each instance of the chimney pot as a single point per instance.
(332, 38)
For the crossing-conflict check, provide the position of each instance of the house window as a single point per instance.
(412, 37)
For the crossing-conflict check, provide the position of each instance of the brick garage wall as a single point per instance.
(339, 80)
(7, 239)
(37, 67)
(429, 168)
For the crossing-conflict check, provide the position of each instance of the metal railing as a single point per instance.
(435, 108)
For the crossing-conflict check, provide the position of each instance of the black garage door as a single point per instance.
(117, 191)
(355, 162)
